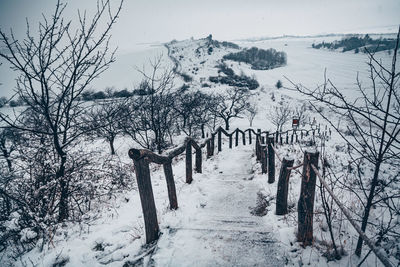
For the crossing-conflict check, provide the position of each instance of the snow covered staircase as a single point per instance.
(214, 225)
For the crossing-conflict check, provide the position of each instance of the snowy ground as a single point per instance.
(214, 225)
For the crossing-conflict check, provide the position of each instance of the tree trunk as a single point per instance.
(368, 207)
(63, 211)
(226, 124)
(112, 145)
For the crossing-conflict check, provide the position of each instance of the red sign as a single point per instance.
(295, 122)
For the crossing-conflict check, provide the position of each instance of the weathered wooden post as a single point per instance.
(276, 136)
(271, 161)
(262, 140)
(146, 195)
(198, 160)
(297, 138)
(306, 200)
(283, 186)
(169, 176)
(301, 134)
(236, 137)
(250, 136)
(264, 157)
(189, 171)
(219, 139)
(281, 141)
(291, 139)
(212, 144)
(258, 147)
(230, 141)
(208, 147)
(287, 137)
(244, 138)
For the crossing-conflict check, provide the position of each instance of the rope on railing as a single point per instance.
(295, 167)
(369, 242)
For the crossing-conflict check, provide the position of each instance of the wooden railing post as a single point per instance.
(189, 172)
(230, 141)
(291, 139)
(262, 140)
(283, 185)
(198, 160)
(306, 200)
(276, 137)
(219, 140)
(264, 157)
(212, 144)
(258, 147)
(236, 137)
(244, 138)
(208, 148)
(169, 176)
(271, 161)
(250, 136)
(146, 195)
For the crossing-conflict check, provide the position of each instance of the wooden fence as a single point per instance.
(142, 158)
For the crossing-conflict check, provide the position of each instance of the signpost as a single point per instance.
(295, 123)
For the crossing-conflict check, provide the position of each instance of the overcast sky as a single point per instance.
(164, 20)
(145, 21)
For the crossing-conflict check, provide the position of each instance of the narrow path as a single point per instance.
(217, 228)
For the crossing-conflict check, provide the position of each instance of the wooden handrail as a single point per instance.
(142, 157)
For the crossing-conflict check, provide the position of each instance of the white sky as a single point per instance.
(164, 20)
(143, 21)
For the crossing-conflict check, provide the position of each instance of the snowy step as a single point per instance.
(207, 247)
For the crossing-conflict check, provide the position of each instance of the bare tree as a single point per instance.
(54, 69)
(251, 112)
(374, 121)
(194, 111)
(152, 114)
(232, 104)
(300, 112)
(280, 115)
(105, 120)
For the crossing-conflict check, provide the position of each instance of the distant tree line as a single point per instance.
(357, 44)
(89, 95)
(259, 59)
